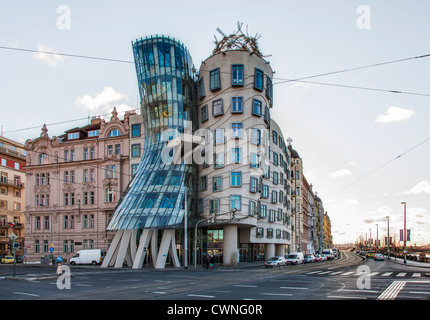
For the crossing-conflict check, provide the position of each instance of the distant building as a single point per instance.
(74, 183)
(12, 194)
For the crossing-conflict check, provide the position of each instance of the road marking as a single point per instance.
(82, 285)
(276, 294)
(313, 272)
(420, 292)
(417, 275)
(358, 290)
(337, 272)
(199, 295)
(325, 272)
(401, 274)
(27, 294)
(345, 297)
(386, 274)
(294, 288)
(245, 286)
(159, 292)
(347, 273)
(392, 291)
(373, 274)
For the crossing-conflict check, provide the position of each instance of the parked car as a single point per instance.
(276, 261)
(328, 253)
(318, 258)
(295, 258)
(309, 258)
(378, 256)
(323, 257)
(8, 259)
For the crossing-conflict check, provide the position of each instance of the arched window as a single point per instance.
(43, 158)
(114, 133)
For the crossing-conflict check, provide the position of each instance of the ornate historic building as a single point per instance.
(74, 182)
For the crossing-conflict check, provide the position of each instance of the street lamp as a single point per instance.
(211, 220)
(404, 231)
(388, 237)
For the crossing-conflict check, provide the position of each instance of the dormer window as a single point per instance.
(73, 135)
(94, 133)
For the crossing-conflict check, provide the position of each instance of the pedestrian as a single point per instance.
(211, 261)
(205, 261)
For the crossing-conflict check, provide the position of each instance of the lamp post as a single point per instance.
(50, 227)
(404, 231)
(377, 241)
(388, 237)
(195, 237)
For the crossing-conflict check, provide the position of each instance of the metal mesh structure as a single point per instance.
(166, 79)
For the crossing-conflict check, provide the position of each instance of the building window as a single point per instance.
(255, 160)
(257, 107)
(219, 136)
(274, 196)
(253, 185)
(94, 133)
(135, 150)
(265, 191)
(252, 208)
(134, 169)
(236, 179)
(43, 158)
(272, 214)
(219, 160)
(269, 88)
(255, 136)
(74, 135)
(214, 205)
(217, 183)
(269, 233)
(258, 79)
(236, 104)
(275, 177)
(135, 130)
(236, 155)
(235, 202)
(236, 130)
(275, 137)
(204, 183)
(204, 113)
(237, 75)
(260, 232)
(217, 108)
(263, 211)
(214, 79)
(114, 133)
(201, 88)
(109, 194)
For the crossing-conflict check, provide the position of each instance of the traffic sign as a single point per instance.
(51, 249)
(13, 236)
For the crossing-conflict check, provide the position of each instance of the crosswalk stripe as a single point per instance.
(386, 274)
(401, 274)
(416, 275)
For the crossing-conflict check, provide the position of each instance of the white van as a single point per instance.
(94, 256)
(295, 258)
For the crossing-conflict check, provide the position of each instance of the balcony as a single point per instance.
(11, 183)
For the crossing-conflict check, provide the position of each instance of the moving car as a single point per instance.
(276, 261)
(370, 254)
(309, 258)
(8, 259)
(378, 256)
(318, 258)
(295, 258)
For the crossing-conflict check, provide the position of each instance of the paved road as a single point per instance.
(331, 280)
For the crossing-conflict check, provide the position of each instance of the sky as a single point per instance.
(364, 151)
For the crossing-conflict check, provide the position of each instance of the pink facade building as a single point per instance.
(74, 182)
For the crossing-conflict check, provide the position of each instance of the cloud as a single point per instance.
(340, 173)
(47, 58)
(395, 114)
(419, 188)
(103, 102)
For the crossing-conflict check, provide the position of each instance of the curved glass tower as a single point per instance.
(166, 79)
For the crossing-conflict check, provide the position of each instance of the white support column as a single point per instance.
(112, 252)
(269, 250)
(280, 249)
(123, 248)
(230, 251)
(165, 245)
(142, 250)
(173, 252)
(154, 246)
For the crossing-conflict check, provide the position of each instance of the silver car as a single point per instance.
(275, 262)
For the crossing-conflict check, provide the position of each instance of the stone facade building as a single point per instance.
(74, 182)
(12, 194)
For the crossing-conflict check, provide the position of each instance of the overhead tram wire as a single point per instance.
(378, 168)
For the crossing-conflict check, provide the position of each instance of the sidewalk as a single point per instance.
(410, 263)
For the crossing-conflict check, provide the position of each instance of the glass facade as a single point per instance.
(166, 79)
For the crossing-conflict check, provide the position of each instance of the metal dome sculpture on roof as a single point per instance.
(237, 41)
